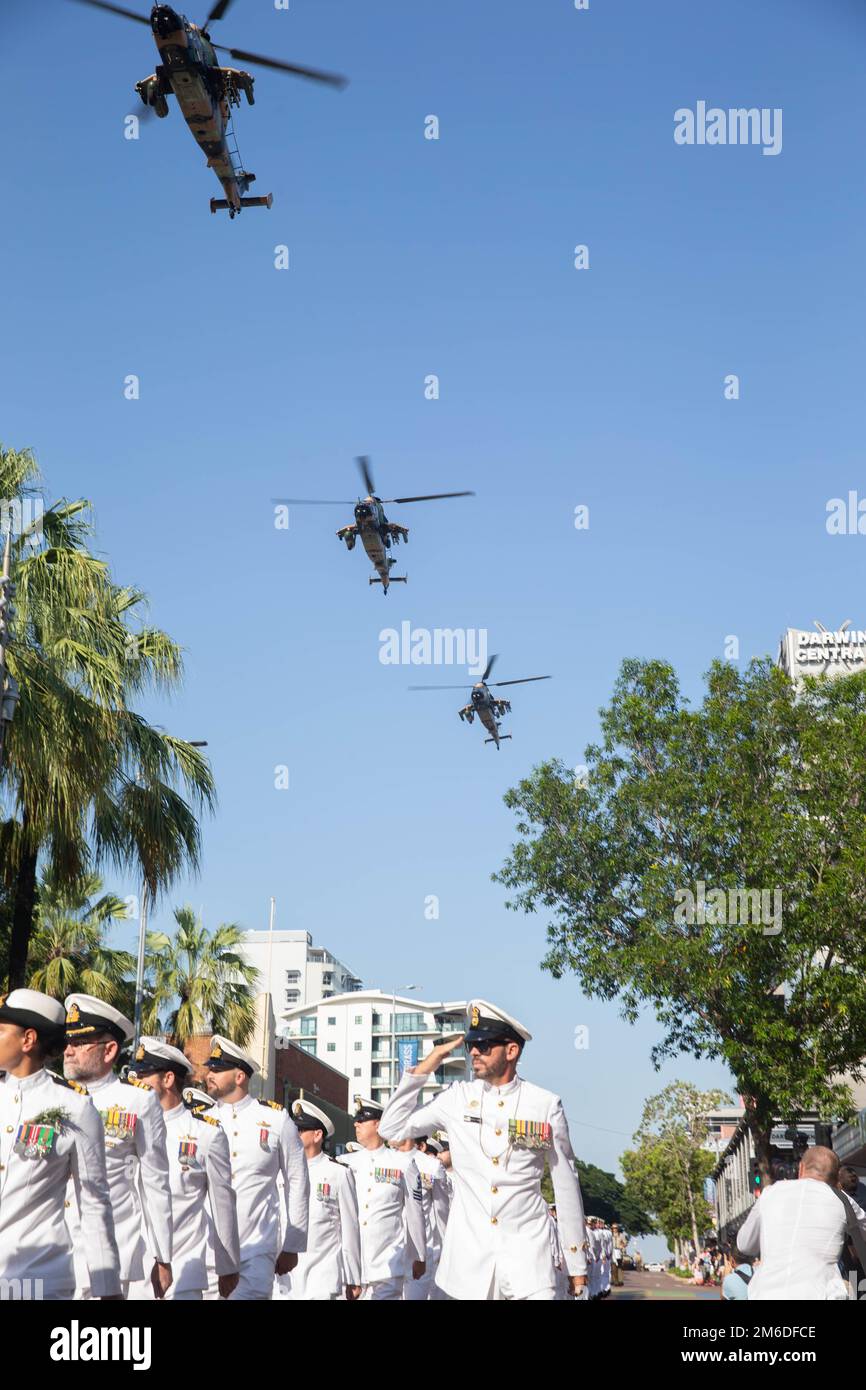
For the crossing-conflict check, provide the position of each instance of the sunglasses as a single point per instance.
(486, 1045)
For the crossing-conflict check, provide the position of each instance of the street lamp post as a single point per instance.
(142, 935)
(404, 989)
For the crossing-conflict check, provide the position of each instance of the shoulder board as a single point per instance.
(201, 1114)
(133, 1081)
(331, 1159)
(272, 1104)
(73, 1085)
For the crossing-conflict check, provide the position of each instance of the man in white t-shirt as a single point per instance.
(797, 1228)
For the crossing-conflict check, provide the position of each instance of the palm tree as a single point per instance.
(68, 950)
(86, 780)
(199, 982)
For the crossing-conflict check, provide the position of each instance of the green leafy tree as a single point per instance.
(759, 789)
(671, 1164)
(199, 982)
(604, 1195)
(86, 781)
(68, 950)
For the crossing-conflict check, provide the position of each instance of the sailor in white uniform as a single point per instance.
(50, 1132)
(390, 1208)
(135, 1154)
(264, 1146)
(330, 1267)
(435, 1202)
(501, 1129)
(201, 1176)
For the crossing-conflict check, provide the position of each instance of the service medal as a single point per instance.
(34, 1140)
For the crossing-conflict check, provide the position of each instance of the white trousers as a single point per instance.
(383, 1290)
(500, 1288)
(256, 1284)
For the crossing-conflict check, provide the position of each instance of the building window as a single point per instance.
(293, 996)
(359, 1047)
(408, 1023)
(308, 1047)
(377, 1018)
(328, 994)
(328, 977)
(359, 1018)
(308, 1026)
(332, 1047)
(375, 1071)
(357, 1071)
(293, 977)
(331, 1020)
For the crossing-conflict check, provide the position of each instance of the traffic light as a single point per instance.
(756, 1180)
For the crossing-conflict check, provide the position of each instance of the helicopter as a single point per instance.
(488, 708)
(377, 533)
(205, 91)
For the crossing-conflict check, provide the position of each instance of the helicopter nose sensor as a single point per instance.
(164, 20)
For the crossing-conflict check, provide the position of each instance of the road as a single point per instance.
(657, 1286)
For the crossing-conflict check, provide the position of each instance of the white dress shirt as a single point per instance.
(35, 1242)
(798, 1230)
(264, 1144)
(137, 1166)
(389, 1189)
(201, 1177)
(498, 1223)
(435, 1202)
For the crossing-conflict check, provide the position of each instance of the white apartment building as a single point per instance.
(370, 1035)
(294, 971)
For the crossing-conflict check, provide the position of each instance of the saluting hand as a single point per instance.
(432, 1060)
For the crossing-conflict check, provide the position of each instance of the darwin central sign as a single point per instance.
(810, 653)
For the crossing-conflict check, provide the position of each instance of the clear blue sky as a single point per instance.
(558, 387)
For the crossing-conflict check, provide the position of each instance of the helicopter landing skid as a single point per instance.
(264, 202)
(392, 579)
(501, 739)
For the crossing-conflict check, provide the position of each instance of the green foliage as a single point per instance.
(198, 982)
(86, 781)
(68, 950)
(758, 788)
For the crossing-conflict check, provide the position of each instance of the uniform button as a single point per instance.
(573, 1249)
(2, 1167)
(496, 1161)
(66, 1204)
(494, 1220)
(16, 1097)
(494, 1189)
(363, 1223)
(234, 1155)
(498, 1131)
(8, 1129)
(500, 1103)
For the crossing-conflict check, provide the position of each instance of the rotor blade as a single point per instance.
(429, 497)
(217, 12)
(523, 680)
(117, 9)
(310, 502)
(467, 686)
(333, 79)
(490, 666)
(364, 464)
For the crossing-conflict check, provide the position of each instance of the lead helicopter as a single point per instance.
(486, 705)
(377, 533)
(206, 92)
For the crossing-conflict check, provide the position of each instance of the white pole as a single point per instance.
(139, 974)
(268, 984)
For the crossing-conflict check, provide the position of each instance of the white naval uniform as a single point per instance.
(435, 1202)
(264, 1144)
(606, 1252)
(35, 1243)
(332, 1258)
(392, 1222)
(595, 1266)
(137, 1166)
(497, 1243)
(201, 1178)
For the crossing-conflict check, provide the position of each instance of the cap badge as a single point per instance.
(74, 1014)
(139, 1053)
(216, 1051)
(474, 1017)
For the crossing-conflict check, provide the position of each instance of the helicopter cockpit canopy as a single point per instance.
(364, 510)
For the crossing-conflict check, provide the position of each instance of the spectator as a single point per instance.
(799, 1229)
(849, 1265)
(736, 1278)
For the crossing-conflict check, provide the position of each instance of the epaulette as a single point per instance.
(273, 1104)
(201, 1114)
(134, 1081)
(73, 1085)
